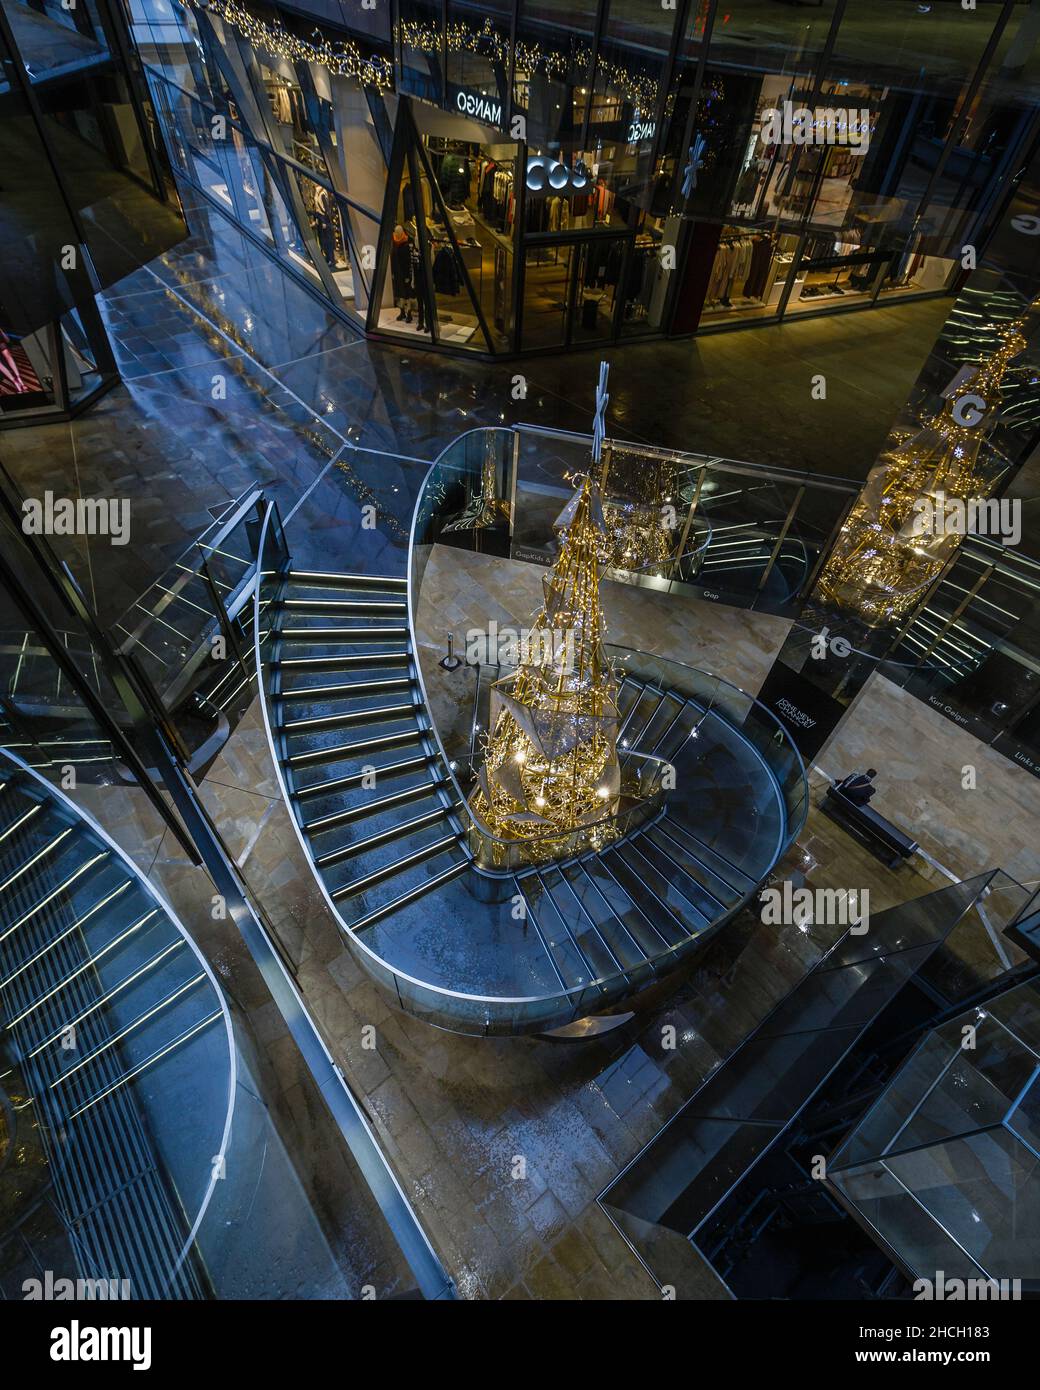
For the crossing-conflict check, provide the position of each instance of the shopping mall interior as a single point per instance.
(519, 729)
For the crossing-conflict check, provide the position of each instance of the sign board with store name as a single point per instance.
(808, 713)
(479, 105)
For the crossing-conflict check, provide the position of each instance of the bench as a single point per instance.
(880, 836)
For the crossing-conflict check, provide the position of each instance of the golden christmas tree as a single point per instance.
(550, 763)
(885, 559)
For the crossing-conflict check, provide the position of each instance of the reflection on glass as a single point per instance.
(546, 287)
(52, 38)
(422, 49)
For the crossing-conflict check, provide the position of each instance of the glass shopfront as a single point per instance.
(530, 175)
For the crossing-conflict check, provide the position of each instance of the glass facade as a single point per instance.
(85, 198)
(943, 1166)
(534, 176)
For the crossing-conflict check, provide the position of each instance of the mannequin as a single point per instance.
(401, 274)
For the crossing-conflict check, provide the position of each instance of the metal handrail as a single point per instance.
(378, 964)
(249, 501)
(759, 470)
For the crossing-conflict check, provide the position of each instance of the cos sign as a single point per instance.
(547, 175)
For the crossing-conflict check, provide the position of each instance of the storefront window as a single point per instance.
(476, 183)
(833, 273)
(554, 55)
(748, 273)
(479, 59)
(547, 285)
(648, 274)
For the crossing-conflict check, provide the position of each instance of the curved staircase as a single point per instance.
(385, 826)
(115, 1029)
(368, 787)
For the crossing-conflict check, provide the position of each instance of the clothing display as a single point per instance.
(454, 178)
(495, 198)
(741, 268)
(448, 276)
(401, 268)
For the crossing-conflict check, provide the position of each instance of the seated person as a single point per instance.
(858, 787)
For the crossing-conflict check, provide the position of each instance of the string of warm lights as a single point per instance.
(485, 42)
(344, 58)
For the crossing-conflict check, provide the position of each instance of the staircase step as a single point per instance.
(636, 916)
(328, 636)
(690, 917)
(370, 714)
(372, 808)
(736, 878)
(396, 866)
(347, 690)
(328, 579)
(570, 965)
(371, 660)
(396, 831)
(663, 718)
(344, 608)
(665, 921)
(329, 786)
(626, 951)
(602, 961)
(360, 748)
(691, 884)
(65, 892)
(679, 734)
(628, 694)
(639, 716)
(419, 891)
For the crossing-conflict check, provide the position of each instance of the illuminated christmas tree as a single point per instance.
(550, 761)
(886, 557)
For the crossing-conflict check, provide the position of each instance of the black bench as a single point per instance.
(880, 836)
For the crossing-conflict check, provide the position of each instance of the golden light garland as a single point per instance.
(485, 42)
(550, 762)
(344, 58)
(882, 562)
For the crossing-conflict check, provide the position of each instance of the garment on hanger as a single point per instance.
(447, 272)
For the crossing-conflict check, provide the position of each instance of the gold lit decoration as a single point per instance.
(885, 559)
(637, 88)
(550, 761)
(640, 510)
